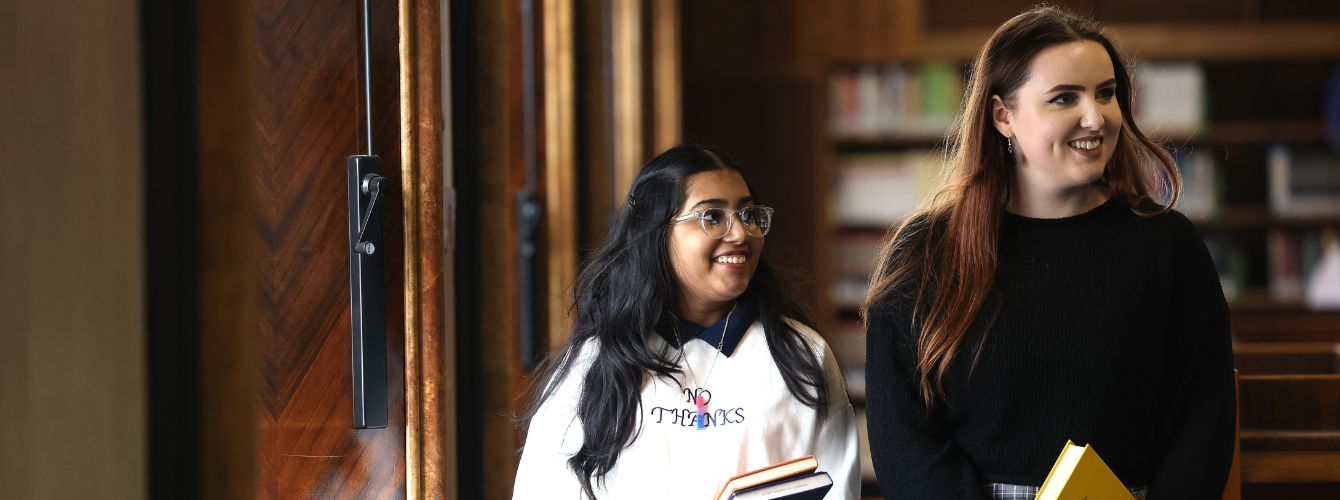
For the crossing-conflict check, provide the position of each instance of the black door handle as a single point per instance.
(367, 291)
(365, 186)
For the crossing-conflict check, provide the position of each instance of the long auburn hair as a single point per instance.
(626, 290)
(943, 257)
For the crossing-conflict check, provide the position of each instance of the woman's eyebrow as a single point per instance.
(718, 202)
(711, 201)
(1071, 86)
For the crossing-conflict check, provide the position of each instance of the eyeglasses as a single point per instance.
(716, 222)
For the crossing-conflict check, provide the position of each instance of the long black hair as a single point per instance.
(626, 290)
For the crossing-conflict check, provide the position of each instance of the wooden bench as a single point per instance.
(1290, 428)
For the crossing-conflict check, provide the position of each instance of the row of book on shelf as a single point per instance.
(872, 191)
(897, 100)
(1302, 266)
(1303, 181)
(876, 189)
(1305, 266)
(876, 101)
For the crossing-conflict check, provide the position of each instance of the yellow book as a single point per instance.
(1080, 475)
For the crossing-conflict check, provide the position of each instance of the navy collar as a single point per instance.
(740, 321)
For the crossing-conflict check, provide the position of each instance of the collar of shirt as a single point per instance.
(740, 321)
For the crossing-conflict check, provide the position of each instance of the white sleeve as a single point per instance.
(836, 445)
(554, 436)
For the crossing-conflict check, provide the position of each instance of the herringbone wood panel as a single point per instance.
(307, 116)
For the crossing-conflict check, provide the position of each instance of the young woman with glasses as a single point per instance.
(687, 363)
(1049, 293)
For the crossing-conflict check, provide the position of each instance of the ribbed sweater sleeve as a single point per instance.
(913, 453)
(1198, 430)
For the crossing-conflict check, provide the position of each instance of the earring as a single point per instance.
(1009, 146)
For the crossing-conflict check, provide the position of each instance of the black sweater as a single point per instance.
(1112, 331)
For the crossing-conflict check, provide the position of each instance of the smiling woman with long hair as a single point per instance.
(1048, 293)
(687, 364)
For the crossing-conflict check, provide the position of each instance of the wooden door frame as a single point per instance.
(429, 337)
(431, 328)
(226, 316)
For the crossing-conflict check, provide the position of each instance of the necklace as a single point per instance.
(699, 402)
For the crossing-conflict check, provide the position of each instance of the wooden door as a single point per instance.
(308, 116)
(279, 107)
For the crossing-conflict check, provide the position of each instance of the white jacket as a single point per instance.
(754, 422)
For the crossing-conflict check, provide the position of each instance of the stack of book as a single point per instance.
(1200, 185)
(1230, 260)
(877, 189)
(853, 259)
(1302, 266)
(1170, 99)
(795, 479)
(894, 101)
(1304, 180)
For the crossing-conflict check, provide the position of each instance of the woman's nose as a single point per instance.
(1092, 118)
(735, 230)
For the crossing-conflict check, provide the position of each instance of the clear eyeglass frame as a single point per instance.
(755, 219)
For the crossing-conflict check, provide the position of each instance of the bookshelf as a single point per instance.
(885, 132)
(1227, 168)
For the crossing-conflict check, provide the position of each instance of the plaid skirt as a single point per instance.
(1000, 491)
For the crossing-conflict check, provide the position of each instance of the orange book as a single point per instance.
(780, 470)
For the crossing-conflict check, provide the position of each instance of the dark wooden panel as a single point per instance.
(1300, 10)
(1286, 326)
(1265, 358)
(1267, 90)
(1294, 491)
(1291, 440)
(1291, 467)
(968, 13)
(225, 101)
(486, 174)
(1290, 432)
(1154, 11)
(1290, 402)
(307, 117)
